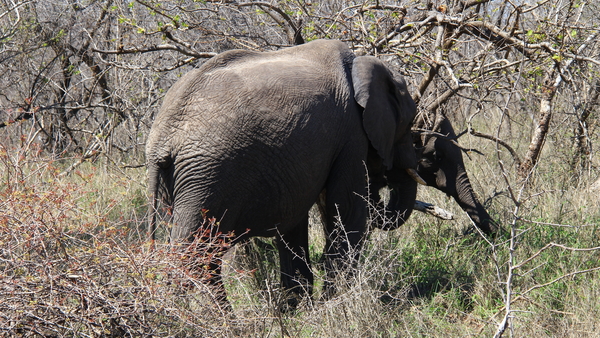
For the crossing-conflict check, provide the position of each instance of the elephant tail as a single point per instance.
(160, 178)
(153, 184)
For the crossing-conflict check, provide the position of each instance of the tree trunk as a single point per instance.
(551, 83)
(581, 142)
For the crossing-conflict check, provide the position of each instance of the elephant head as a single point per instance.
(391, 158)
(441, 165)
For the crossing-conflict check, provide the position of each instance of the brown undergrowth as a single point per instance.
(72, 264)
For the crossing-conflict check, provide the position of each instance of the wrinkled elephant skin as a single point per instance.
(251, 139)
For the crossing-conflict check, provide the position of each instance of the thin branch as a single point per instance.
(441, 99)
(15, 6)
(447, 138)
(22, 117)
(553, 245)
(464, 5)
(294, 36)
(571, 274)
(155, 48)
(499, 141)
(554, 224)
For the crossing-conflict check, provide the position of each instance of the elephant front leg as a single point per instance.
(344, 229)
(345, 219)
(341, 257)
(296, 275)
(215, 283)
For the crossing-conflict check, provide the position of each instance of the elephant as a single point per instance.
(247, 142)
(440, 164)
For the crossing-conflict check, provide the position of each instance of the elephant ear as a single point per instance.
(388, 111)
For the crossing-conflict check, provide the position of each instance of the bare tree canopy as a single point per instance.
(90, 74)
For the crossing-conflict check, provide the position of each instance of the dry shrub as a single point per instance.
(74, 263)
(67, 272)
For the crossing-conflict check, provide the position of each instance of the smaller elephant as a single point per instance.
(440, 165)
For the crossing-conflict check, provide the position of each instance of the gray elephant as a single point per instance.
(440, 164)
(252, 139)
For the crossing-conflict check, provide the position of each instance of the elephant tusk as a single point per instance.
(415, 176)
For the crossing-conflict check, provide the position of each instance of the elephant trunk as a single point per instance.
(403, 193)
(465, 197)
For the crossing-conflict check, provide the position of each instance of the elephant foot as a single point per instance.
(329, 291)
(222, 303)
(292, 301)
(289, 305)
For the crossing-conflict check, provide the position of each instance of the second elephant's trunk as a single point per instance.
(465, 197)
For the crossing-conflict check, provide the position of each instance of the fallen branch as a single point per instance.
(433, 210)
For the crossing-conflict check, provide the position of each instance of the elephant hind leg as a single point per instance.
(296, 275)
(205, 255)
(217, 289)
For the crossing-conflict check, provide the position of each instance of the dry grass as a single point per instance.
(73, 263)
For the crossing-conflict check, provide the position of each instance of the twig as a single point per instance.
(571, 274)
(554, 224)
(499, 141)
(552, 245)
(156, 48)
